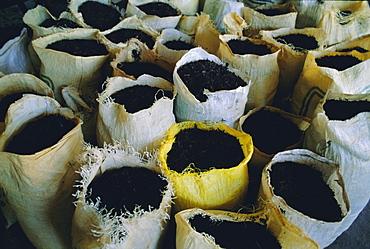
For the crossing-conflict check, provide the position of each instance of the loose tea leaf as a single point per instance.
(299, 42)
(338, 62)
(138, 68)
(271, 132)
(343, 110)
(40, 134)
(303, 188)
(178, 45)
(98, 15)
(247, 47)
(139, 97)
(65, 23)
(79, 47)
(206, 74)
(272, 12)
(204, 149)
(124, 35)
(127, 187)
(160, 9)
(235, 235)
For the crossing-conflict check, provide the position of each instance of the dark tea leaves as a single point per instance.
(160, 9)
(248, 47)
(124, 35)
(299, 42)
(338, 62)
(79, 47)
(343, 110)
(138, 68)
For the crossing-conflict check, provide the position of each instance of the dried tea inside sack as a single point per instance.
(123, 35)
(158, 9)
(205, 74)
(338, 62)
(40, 134)
(139, 97)
(99, 15)
(79, 47)
(65, 23)
(343, 110)
(204, 149)
(138, 68)
(178, 45)
(127, 188)
(235, 235)
(304, 189)
(357, 48)
(298, 42)
(272, 12)
(248, 47)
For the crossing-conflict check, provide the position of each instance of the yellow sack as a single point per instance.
(288, 235)
(213, 188)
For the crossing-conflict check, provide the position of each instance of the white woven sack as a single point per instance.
(140, 229)
(347, 143)
(323, 232)
(39, 187)
(225, 106)
(144, 129)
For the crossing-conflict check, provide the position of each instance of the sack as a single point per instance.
(38, 187)
(144, 129)
(344, 22)
(93, 228)
(264, 78)
(225, 106)
(212, 188)
(206, 35)
(287, 234)
(315, 80)
(361, 44)
(14, 56)
(345, 142)
(323, 230)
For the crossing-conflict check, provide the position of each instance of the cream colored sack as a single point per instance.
(39, 187)
(213, 188)
(262, 69)
(206, 35)
(225, 106)
(361, 44)
(143, 130)
(288, 235)
(323, 232)
(347, 143)
(140, 229)
(316, 80)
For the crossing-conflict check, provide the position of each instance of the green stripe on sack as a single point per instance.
(48, 81)
(308, 98)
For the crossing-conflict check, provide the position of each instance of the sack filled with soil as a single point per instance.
(294, 45)
(130, 27)
(207, 163)
(39, 149)
(339, 120)
(344, 72)
(268, 17)
(137, 112)
(156, 14)
(96, 14)
(123, 201)
(264, 228)
(310, 192)
(346, 21)
(137, 59)
(208, 89)
(251, 56)
(43, 23)
(12, 88)
(172, 44)
(273, 130)
(14, 55)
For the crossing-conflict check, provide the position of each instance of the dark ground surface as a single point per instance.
(357, 236)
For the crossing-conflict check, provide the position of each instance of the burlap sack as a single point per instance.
(346, 21)
(14, 55)
(225, 106)
(323, 232)
(257, 21)
(213, 188)
(287, 234)
(316, 80)
(345, 142)
(140, 229)
(128, 23)
(59, 69)
(143, 130)
(156, 22)
(262, 69)
(168, 35)
(39, 187)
